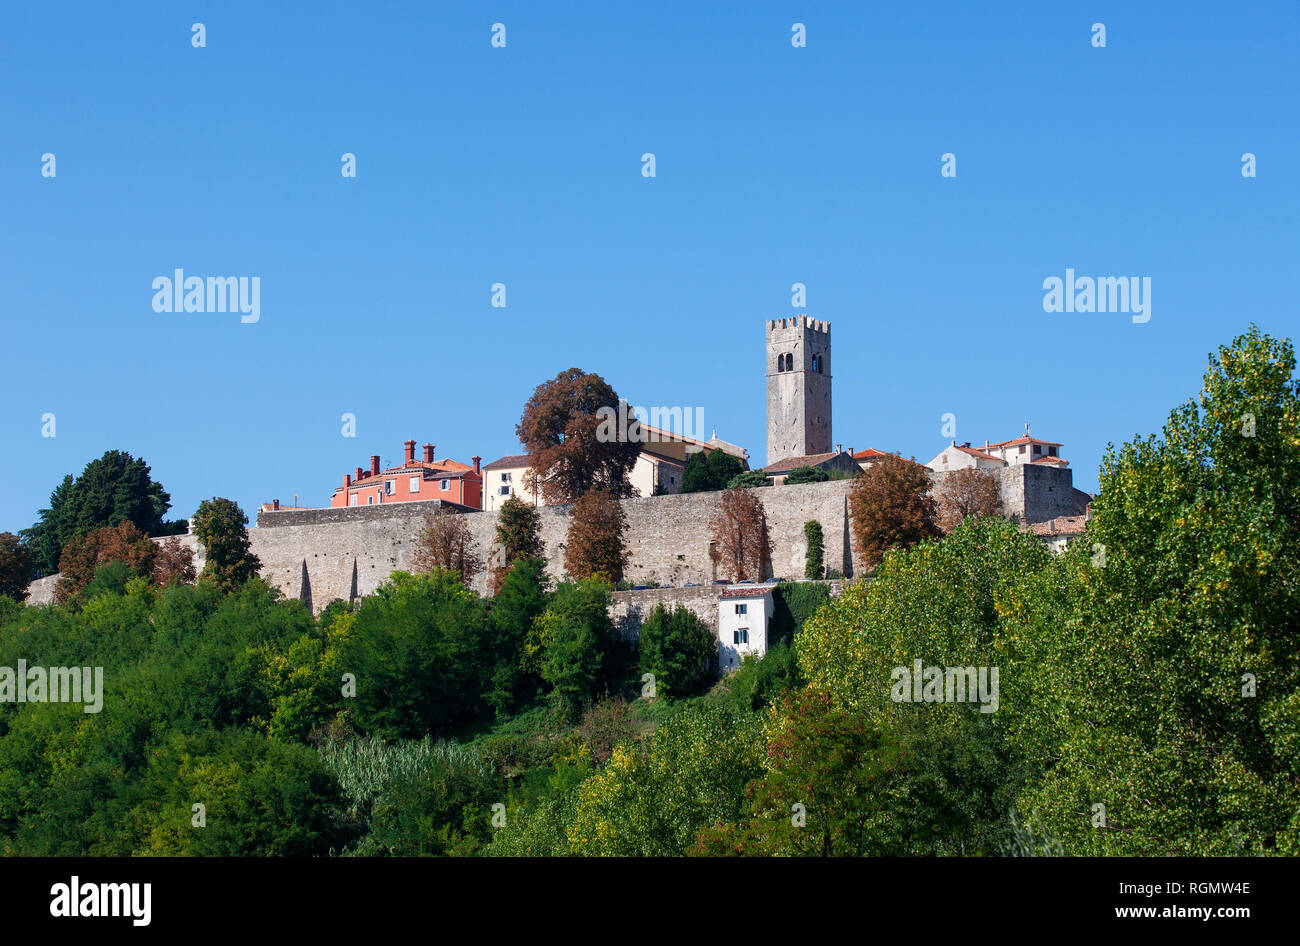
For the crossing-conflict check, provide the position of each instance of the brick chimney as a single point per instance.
(347, 480)
(428, 453)
(374, 466)
(275, 504)
(410, 451)
(477, 461)
(358, 476)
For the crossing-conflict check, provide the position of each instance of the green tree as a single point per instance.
(948, 604)
(806, 474)
(415, 649)
(708, 472)
(813, 558)
(572, 643)
(519, 536)
(680, 650)
(222, 529)
(651, 800)
(520, 601)
(750, 479)
(1170, 693)
(15, 566)
(115, 488)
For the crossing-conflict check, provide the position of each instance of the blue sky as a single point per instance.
(522, 165)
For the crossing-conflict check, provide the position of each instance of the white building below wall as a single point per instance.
(744, 613)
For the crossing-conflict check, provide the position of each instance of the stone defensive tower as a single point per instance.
(798, 388)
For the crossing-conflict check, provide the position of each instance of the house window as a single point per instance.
(1037, 449)
(505, 477)
(370, 500)
(742, 609)
(1022, 448)
(741, 636)
(390, 487)
(415, 484)
(444, 485)
(352, 500)
(504, 491)
(1051, 451)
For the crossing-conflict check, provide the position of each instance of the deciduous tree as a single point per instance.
(519, 536)
(680, 650)
(595, 544)
(173, 564)
(891, 508)
(15, 566)
(963, 493)
(222, 528)
(559, 429)
(445, 542)
(739, 532)
(84, 555)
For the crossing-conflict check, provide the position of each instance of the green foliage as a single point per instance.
(222, 528)
(761, 680)
(417, 797)
(813, 557)
(680, 649)
(707, 473)
(16, 567)
(572, 643)
(651, 800)
(806, 474)
(1146, 703)
(520, 601)
(416, 650)
(115, 488)
(750, 479)
(793, 603)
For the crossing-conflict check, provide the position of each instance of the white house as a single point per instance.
(744, 612)
(961, 456)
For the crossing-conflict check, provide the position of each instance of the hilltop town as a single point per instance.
(346, 549)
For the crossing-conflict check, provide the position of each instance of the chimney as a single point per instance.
(837, 449)
(410, 451)
(374, 466)
(347, 480)
(477, 461)
(428, 453)
(358, 476)
(966, 444)
(275, 504)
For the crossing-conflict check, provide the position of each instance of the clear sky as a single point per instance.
(522, 165)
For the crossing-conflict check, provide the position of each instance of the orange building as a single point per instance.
(412, 481)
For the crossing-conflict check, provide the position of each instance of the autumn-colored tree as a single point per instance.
(518, 537)
(967, 492)
(15, 566)
(891, 507)
(568, 452)
(445, 542)
(739, 532)
(595, 544)
(86, 554)
(222, 527)
(173, 564)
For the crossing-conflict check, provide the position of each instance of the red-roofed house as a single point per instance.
(1025, 449)
(412, 481)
